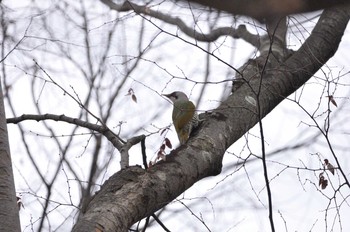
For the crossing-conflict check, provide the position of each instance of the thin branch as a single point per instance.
(124, 151)
(70, 95)
(143, 151)
(17, 44)
(110, 135)
(275, 27)
(160, 223)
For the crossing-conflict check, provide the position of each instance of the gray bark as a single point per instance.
(9, 218)
(262, 9)
(134, 193)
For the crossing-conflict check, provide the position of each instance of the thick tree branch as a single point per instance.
(241, 32)
(135, 193)
(261, 9)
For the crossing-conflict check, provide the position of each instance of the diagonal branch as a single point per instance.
(261, 9)
(135, 193)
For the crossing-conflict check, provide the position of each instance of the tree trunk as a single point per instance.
(134, 193)
(9, 218)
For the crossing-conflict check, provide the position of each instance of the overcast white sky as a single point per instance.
(232, 201)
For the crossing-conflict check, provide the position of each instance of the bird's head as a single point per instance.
(176, 96)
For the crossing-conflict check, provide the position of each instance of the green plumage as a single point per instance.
(185, 117)
(183, 113)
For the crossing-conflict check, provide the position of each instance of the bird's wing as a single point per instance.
(183, 113)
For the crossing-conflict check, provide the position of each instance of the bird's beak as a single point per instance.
(166, 95)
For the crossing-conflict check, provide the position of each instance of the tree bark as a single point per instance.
(262, 9)
(134, 193)
(9, 218)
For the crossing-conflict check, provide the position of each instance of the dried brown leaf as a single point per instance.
(168, 143)
(324, 184)
(331, 99)
(133, 97)
(321, 179)
(330, 167)
(162, 148)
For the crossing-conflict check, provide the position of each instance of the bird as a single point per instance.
(185, 117)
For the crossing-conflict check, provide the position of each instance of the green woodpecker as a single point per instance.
(184, 116)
